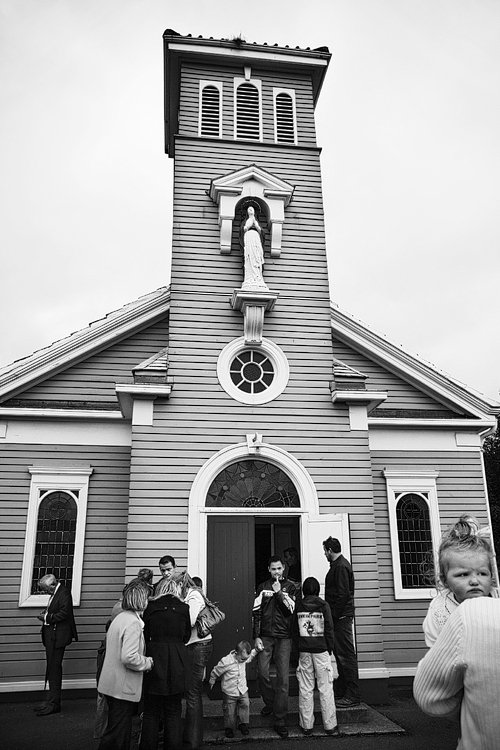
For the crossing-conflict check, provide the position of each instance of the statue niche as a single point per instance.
(252, 242)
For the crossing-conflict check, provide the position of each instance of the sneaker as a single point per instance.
(307, 732)
(266, 711)
(229, 732)
(346, 702)
(281, 730)
(244, 729)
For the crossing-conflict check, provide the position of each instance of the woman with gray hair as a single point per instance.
(167, 630)
(124, 663)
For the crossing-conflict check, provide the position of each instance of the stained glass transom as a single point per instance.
(414, 536)
(55, 538)
(252, 484)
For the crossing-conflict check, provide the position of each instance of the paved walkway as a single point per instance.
(397, 726)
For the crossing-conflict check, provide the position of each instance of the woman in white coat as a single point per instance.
(124, 663)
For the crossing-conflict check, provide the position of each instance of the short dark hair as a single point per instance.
(291, 551)
(332, 544)
(166, 559)
(274, 559)
(310, 587)
(197, 580)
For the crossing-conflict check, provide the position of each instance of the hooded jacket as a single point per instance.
(313, 625)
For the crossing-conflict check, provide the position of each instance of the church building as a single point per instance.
(238, 411)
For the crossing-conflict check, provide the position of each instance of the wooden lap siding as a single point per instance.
(460, 489)
(200, 419)
(22, 656)
(401, 395)
(95, 378)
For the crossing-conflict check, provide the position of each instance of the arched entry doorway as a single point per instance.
(244, 503)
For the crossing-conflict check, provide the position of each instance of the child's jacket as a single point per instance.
(313, 625)
(232, 673)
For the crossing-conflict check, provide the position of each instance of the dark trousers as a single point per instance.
(53, 674)
(275, 697)
(118, 732)
(200, 653)
(168, 708)
(347, 685)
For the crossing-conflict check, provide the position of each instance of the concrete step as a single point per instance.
(358, 720)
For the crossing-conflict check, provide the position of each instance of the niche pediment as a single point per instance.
(252, 182)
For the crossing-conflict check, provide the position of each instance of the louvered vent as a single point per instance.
(210, 111)
(247, 112)
(285, 127)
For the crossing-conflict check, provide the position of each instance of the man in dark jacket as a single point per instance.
(273, 608)
(58, 630)
(339, 594)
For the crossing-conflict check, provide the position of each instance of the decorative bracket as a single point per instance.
(254, 442)
(253, 305)
(251, 182)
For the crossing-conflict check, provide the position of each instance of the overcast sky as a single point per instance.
(409, 123)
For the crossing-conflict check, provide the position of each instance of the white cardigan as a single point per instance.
(124, 661)
(460, 675)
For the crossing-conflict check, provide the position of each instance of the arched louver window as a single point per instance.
(248, 112)
(414, 537)
(210, 112)
(285, 121)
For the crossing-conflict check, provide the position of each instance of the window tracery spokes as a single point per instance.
(252, 484)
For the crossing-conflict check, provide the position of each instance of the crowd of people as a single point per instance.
(154, 652)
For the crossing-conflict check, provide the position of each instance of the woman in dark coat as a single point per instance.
(167, 628)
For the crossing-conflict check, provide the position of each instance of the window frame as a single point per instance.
(57, 479)
(277, 358)
(407, 482)
(291, 94)
(237, 82)
(202, 85)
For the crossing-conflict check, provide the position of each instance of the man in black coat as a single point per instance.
(58, 630)
(339, 594)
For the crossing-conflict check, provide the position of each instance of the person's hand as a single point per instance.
(211, 683)
(41, 616)
(276, 586)
(258, 644)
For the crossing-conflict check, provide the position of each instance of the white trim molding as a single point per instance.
(34, 685)
(57, 478)
(291, 94)
(203, 85)
(59, 356)
(198, 512)
(267, 348)
(423, 483)
(251, 182)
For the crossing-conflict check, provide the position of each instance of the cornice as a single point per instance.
(411, 368)
(67, 414)
(461, 425)
(62, 354)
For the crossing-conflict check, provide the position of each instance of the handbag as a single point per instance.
(208, 619)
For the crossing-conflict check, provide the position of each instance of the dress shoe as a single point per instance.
(40, 706)
(49, 709)
(244, 729)
(307, 732)
(266, 711)
(330, 732)
(281, 730)
(229, 732)
(346, 703)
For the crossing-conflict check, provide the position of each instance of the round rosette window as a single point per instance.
(252, 374)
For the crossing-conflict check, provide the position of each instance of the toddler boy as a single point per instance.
(232, 671)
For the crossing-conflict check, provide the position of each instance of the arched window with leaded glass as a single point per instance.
(55, 537)
(252, 483)
(414, 537)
